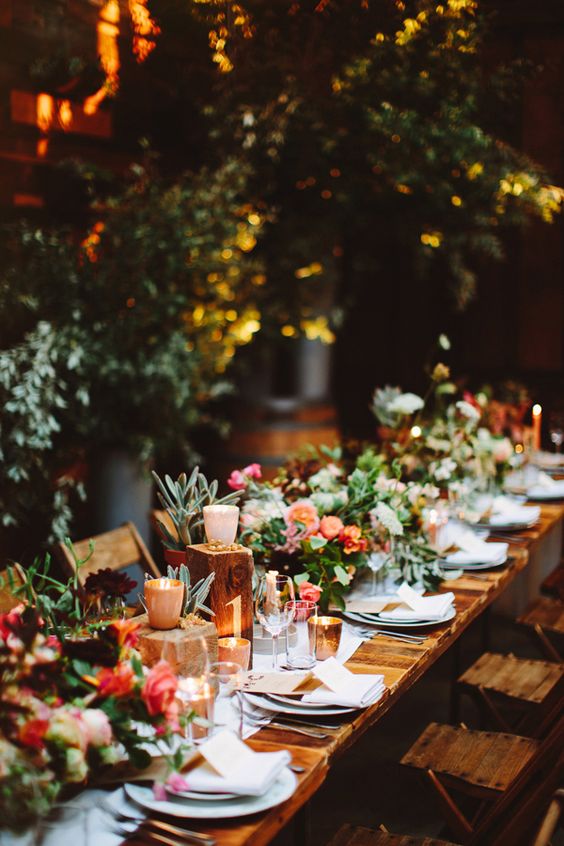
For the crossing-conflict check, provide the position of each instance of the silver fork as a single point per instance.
(370, 633)
(298, 728)
(166, 828)
(143, 831)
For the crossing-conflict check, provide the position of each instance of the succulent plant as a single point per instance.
(184, 500)
(194, 597)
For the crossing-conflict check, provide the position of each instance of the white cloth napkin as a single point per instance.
(506, 511)
(362, 691)
(246, 780)
(486, 553)
(546, 488)
(421, 608)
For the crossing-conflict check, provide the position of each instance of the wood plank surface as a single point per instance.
(402, 665)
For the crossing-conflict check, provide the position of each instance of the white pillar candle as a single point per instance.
(220, 522)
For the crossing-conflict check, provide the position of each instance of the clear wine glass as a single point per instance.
(376, 562)
(272, 613)
(557, 438)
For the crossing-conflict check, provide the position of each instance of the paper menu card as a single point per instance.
(281, 683)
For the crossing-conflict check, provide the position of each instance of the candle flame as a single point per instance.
(537, 410)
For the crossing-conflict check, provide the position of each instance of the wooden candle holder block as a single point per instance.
(231, 595)
(182, 648)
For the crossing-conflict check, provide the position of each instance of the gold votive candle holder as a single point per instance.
(324, 636)
(198, 696)
(163, 599)
(234, 649)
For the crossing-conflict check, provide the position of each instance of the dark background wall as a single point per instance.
(514, 327)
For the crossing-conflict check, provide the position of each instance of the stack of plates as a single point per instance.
(382, 620)
(191, 805)
(293, 705)
(494, 555)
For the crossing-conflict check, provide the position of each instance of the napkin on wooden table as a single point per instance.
(416, 607)
(343, 688)
(506, 511)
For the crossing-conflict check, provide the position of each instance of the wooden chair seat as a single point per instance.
(523, 679)
(357, 835)
(545, 612)
(117, 550)
(545, 619)
(481, 763)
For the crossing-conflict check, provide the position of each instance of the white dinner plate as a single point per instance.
(485, 565)
(240, 806)
(203, 797)
(545, 496)
(518, 526)
(296, 708)
(471, 559)
(399, 624)
(293, 700)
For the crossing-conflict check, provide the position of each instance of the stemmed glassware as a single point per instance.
(226, 678)
(376, 562)
(273, 594)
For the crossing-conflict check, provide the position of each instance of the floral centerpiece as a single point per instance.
(323, 517)
(444, 436)
(74, 697)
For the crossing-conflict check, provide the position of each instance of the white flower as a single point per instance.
(406, 404)
(67, 728)
(327, 502)
(443, 470)
(438, 444)
(388, 518)
(323, 480)
(76, 766)
(257, 513)
(8, 756)
(468, 410)
(444, 342)
(98, 727)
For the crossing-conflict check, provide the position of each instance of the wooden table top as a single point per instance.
(402, 665)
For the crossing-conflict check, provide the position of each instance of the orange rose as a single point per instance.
(159, 691)
(310, 592)
(32, 733)
(352, 540)
(303, 511)
(331, 526)
(117, 681)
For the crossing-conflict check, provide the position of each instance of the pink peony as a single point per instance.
(159, 692)
(236, 481)
(309, 592)
(253, 471)
(303, 511)
(330, 526)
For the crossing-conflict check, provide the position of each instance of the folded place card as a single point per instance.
(281, 683)
(366, 606)
(333, 675)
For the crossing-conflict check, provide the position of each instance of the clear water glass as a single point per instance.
(302, 655)
(226, 678)
(557, 438)
(273, 594)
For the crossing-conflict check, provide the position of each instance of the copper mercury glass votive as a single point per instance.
(324, 636)
(235, 649)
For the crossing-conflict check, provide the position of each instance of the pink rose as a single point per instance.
(330, 526)
(98, 727)
(253, 471)
(237, 481)
(502, 451)
(309, 592)
(159, 691)
(177, 783)
(303, 511)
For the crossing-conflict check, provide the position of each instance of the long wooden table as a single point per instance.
(402, 665)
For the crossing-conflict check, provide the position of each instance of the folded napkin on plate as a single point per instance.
(362, 691)
(417, 607)
(545, 486)
(487, 553)
(506, 511)
(549, 459)
(460, 536)
(251, 777)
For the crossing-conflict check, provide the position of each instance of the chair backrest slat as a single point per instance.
(117, 550)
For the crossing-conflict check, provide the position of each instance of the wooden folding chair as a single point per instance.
(553, 585)
(488, 766)
(544, 620)
(513, 818)
(515, 693)
(8, 599)
(117, 550)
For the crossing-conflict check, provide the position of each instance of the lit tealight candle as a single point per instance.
(234, 649)
(163, 598)
(537, 426)
(220, 522)
(432, 527)
(325, 636)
